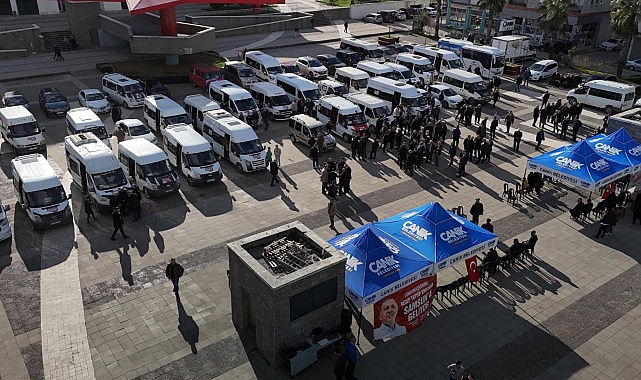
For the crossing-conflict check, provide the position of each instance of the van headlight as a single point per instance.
(195, 175)
(248, 164)
(37, 218)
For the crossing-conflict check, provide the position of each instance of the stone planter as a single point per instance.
(387, 40)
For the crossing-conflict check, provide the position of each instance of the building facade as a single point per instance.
(46, 7)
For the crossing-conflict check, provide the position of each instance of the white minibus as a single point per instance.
(395, 93)
(5, 227)
(332, 87)
(264, 65)
(148, 165)
(373, 108)
(402, 73)
(274, 98)
(441, 59)
(489, 60)
(297, 87)
(39, 191)
(236, 100)
(466, 84)
(135, 129)
(353, 78)
(94, 168)
(191, 153)
(346, 117)
(196, 105)
(235, 141)
(612, 97)
(123, 90)
(83, 119)
(375, 69)
(419, 65)
(21, 131)
(368, 50)
(160, 111)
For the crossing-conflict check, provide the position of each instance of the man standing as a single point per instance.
(174, 272)
(313, 154)
(88, 207)
(265, 116)
(352, 357)
(477, 113)
(374, 149)
(273, 170)
(517, 139)
(134, 204)
(331, 212)
(277, 153)
(455, 370)
(545, 99)
(345, 25)
(488, 225)
(268, 156)
(476, 210)
(118, 222)
(509, 120)
(116, 114)
(464, 157)
(452, 153)
(540, 136)
(576, 127)
(535, 114)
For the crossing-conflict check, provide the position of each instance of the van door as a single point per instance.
(83, 177)
(334, 115)
(158, 120)
(396, 99)
(194, 113)
(179, 151)
(131, 164)
(226, 146)
(438, 61)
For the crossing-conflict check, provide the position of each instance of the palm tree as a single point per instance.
(438, 18)
(494, 7)
(624, 19)
(554, 18)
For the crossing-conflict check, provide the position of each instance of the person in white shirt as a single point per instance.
(388, 328)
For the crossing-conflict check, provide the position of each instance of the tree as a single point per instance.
(624, 20)
(493, 7)
(554, 18)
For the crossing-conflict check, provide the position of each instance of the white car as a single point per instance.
(543, 69)
(401, 16)
(611, 44)
(450, 98)
(430, 11)
(376, 18)
(94, 100)
(135, 129)
(426, 94)
(633, 65)
(311, 67)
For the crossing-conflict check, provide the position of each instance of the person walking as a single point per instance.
(352, 357)
(268, 156)
(374, 149)
(116, 114)
(277, 153)
(455, 370)
(345, 25)
(265, 115)
(535, 114)
(518, 81)
(476, 210)
(545, 98)
(133, 204)
(174, 272)
(495, 97)
(273, 170)
(88, 207)
(118, 223)
(331, 212)
(509, 120)
(493, 126)
(540, 136)
(517, 139)
(313, 154)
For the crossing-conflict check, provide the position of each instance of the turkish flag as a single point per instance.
(472, 269)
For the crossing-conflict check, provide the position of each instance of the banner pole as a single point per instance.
(360, 319)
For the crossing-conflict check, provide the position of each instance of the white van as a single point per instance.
(274, 98)
(148, 164)
(235, 141)
(368, 50)
(346, 117)
(402, 73)
(94, 168)
(394, 93)
(373, 108)
(297, 87)
(123, 90)
(239, 73)
(332, 87)
(5, 227)
(302, 128)
(441, 59)
(20, 130)
(39, 191)
(375, 69)
(135, 129)
(353, 78)
(83, 119)
(466, 84)
(191, 154)
(612, 97)
(264, 65)
(420, 66)
(196, 105)
(160, 111)
(236, 100)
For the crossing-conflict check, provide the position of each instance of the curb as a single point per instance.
(308, 42)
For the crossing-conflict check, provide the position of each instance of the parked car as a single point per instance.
(409, 47)
(543, 69)
(135, 129)
(450, 98)
(331, 62)
(409, 12)
(311, 67)
(14, 98)
(390, 56)
(53, 102)
(559, 46)
(201, 74)
(430, 11)
(612, 44)
(401, 15)
(154, 87)
(397, 49)
(375, 18)
(348, 57)
(633, 65)
(94, 100)
(289, 67)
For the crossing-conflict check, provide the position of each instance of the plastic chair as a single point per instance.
(518, 190)
(506, 190)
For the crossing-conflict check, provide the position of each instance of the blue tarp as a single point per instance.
(387, 255)
(580, 165)
(618, 146)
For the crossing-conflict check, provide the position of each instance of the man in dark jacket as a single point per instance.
(517, 140)
(476, 210)
(402, 156)
(374, 149)
(133, 204)
(608, 220)
(464, 157)
(313, 154)
(273, 170)
(118, 222)
(174, 272)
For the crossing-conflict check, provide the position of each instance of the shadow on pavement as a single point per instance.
(187, 327)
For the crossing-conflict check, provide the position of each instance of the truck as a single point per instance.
(630, 120)
(516, 48)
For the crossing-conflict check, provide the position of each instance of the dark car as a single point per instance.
(561, 47)
(397, 49)
(331, 62)
(290, 68)
(350, 58)
(53, 102)
(409, 12)
(154, 87)
(600, 77)
(14, 98)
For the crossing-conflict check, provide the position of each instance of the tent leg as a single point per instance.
(360, 319)
(524, 171)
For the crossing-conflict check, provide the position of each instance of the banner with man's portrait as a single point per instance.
(404, 310)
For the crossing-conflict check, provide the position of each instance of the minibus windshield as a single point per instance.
(24, 130)
(201, 158)
(177, 119)
(133, 88)
(279, 100)
(249, 147)
(312, 94)
(274, 70)
(375, 53)
(381, 111)
(415, 102)
(138, 130)
(109, 180)
(97, 130)
(356, 119)
(155, 169)
(245, 104)
(46, 197)
(321, 128)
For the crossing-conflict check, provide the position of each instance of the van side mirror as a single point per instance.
(69, 196)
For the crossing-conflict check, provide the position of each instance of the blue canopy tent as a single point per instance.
(618, 146)
(579, 165)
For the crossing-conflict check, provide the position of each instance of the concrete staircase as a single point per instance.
(56, 38)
